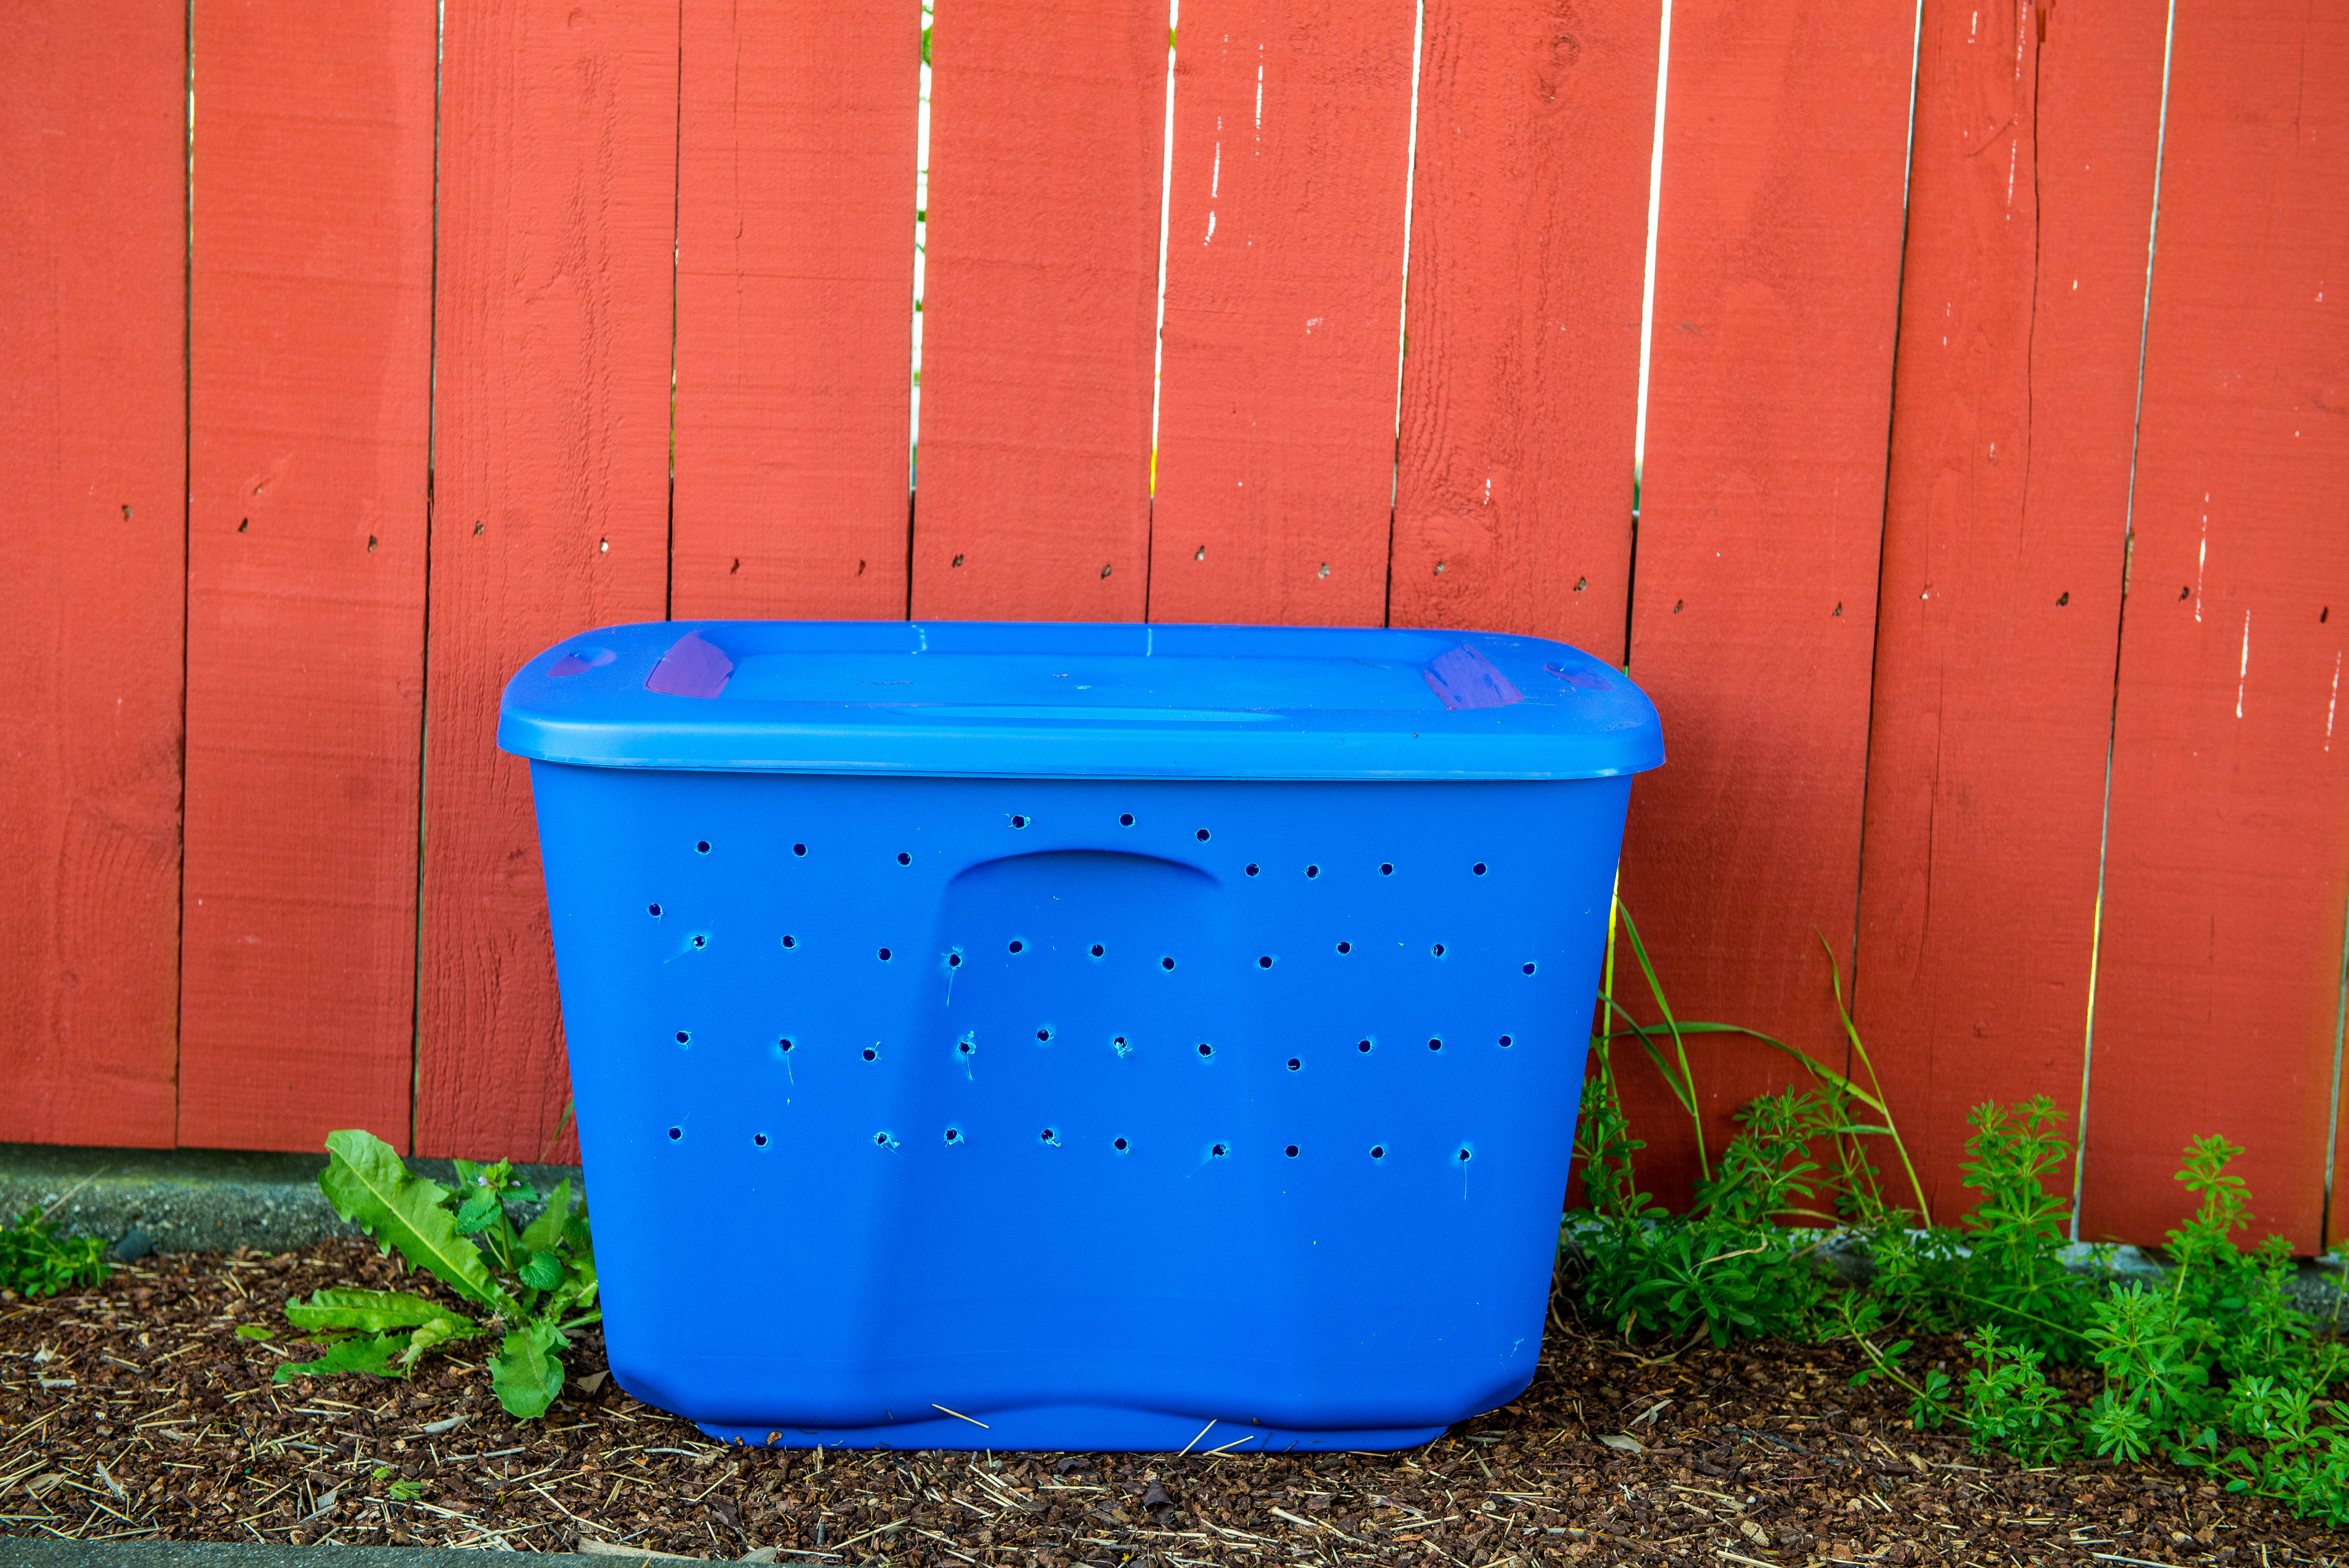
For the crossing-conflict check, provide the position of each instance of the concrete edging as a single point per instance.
(192, 1200)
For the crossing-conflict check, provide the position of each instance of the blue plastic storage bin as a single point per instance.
(1067, 1036)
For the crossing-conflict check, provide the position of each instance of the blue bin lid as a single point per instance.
(1037, 699)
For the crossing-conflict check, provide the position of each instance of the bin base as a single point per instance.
(1066, 1428)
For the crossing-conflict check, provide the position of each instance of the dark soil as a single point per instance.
(136, 1410)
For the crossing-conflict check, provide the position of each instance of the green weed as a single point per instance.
(536, 1283)
(2211, 1366)
(36, 1260)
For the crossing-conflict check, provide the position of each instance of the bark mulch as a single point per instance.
(136, 1410)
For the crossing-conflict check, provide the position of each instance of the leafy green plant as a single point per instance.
(535, 1283)
(2001, 1264)
(2010, 1404)
(2213, 1367)
(1730, 1267)
(36, 1260)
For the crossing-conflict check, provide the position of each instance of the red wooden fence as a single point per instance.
(1994, 509)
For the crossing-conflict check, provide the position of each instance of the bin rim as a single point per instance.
(1074, 699)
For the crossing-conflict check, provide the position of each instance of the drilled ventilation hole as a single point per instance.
(881, 1139)
(1437, 950)
(1018, 821)
(685, 1037)
(799, 849)
(954, 960)
(1362, 1045)
(1378, 1151)
(1465, 1154)
(966, 1047)
(953, 1134)
(1166, 963)
(1205, 1049)
(1203, 835)
(790, 941)
(1312, 870)
(702, 847)
(676, 1134)
(1435, 1042)
(1048, 1136)
(1345, 947)
(1265, 962)
(1294, 1063)
(654, 910)
(870, 1054)
(1478, 868)
(1506, 1042)
(1120, 1045)
(1044, 1035)
(904, 859)
(883, 954)
(1529, 967)
(760, 1138)
(1386, 867)
(785, 1045)
(1253, 868)
(1096, 950)
(1125, 818)
(1290, 1152)
(1018, 946)
(1120, 1144)
(701, 942)
(1218, 1150)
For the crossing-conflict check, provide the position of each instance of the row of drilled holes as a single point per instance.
(1098, 950)
(1050, 1136)
(905, 857)
(1118, 1043)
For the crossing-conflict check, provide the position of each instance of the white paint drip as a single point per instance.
(2201, 558)
(1402, 294)
(1165, 212)
(1260, 93)
(2332, 706)
(1655, 209)
(1488, 490)
(1215, 179)
(2243, 673)
(1211, 226)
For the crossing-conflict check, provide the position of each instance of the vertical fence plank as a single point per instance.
(2227, 859)
(1753, 605)
(309, 403)
(93, 140)
(1284, 295)
(558, 157)
(1039, 304)
(794, 310)
(2022, 301)
(1520, 388)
